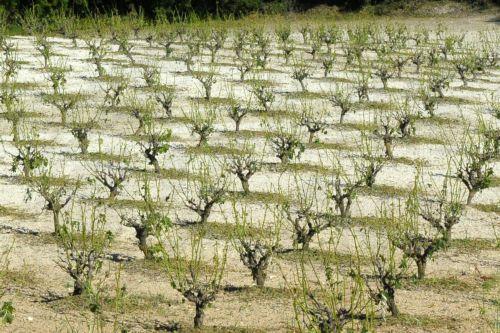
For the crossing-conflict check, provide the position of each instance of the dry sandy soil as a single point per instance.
(460, 293)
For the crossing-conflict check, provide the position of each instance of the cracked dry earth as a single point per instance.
(459, 294)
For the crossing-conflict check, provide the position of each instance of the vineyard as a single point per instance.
(229, 177)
